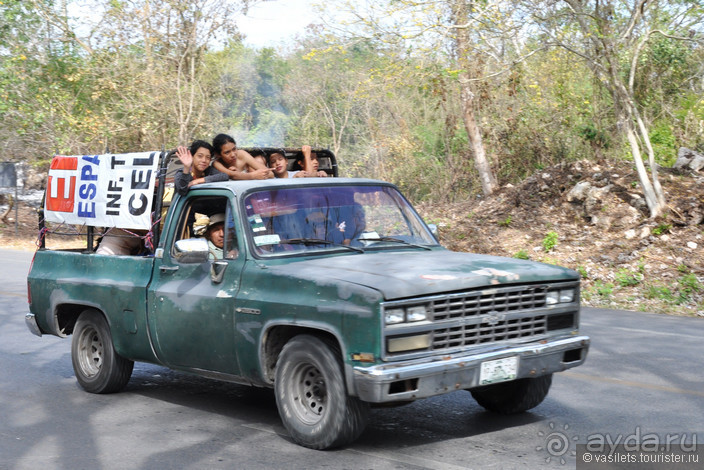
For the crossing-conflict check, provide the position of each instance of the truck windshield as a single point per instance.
(319, 219)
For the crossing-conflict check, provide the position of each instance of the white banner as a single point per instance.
(102, 190)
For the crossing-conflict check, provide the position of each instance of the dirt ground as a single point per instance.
(626, 259)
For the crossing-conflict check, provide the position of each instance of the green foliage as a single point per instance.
(596, 137)
(662, 293)
(387, 109)
(662, 228)
(604, 289)
(506, 222)
(601, 290)
(678, 293)
(664, 143)
(582, 272)
(521, 254)
(550, 241)
(689, 284)
(625, 278)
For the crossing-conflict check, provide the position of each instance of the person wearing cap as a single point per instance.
(215, 234)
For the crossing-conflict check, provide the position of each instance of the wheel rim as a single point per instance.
(310, 395)
(90, 352)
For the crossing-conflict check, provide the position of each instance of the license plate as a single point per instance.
(499, 370)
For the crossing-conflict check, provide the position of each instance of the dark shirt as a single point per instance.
(182, 179)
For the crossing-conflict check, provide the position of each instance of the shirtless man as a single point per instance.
(233, 161)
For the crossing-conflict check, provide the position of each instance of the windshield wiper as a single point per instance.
(393, 240)
(318, 241)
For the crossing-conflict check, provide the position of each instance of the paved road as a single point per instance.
(643, 376)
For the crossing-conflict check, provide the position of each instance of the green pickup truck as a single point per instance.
(332, 291)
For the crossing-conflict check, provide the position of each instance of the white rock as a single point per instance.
(665, 237)
(630, 234)
(645, 233)
(579, 192)
(692, 245)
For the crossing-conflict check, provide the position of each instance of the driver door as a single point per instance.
(192, 316)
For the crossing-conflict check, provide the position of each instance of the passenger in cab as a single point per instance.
(196, 166)
(233, 161)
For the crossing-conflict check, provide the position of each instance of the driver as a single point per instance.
(215, 234)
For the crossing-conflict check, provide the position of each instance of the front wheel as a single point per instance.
(513, 397)
(98, 368)
(312, 397)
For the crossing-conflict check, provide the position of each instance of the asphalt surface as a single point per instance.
(643, 377)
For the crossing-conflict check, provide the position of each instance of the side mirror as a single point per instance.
(192, 250)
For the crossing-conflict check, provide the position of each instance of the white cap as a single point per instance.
(216, 219)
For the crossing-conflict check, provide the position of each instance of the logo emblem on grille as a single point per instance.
(493, 317)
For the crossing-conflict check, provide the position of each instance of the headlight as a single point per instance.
(567, 295)
(394, 316)
(552, 297)
(562, 296)
(410, 314)
(417, 313)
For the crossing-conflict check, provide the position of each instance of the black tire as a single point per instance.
(513, 397)
(312, 397)
(98, 368)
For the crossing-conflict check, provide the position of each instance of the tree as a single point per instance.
(478, 37)
(463, 50)
(611, 38)
(172, 36)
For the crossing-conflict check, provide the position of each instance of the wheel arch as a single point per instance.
(276, 336)
(66, 314)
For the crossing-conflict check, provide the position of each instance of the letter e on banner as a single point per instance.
(61, 185)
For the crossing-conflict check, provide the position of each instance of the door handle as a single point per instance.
(164, 269)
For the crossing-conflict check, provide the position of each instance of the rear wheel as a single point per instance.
(98, 368)
(513, 397)
(312, 397)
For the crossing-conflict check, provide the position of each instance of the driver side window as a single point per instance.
(210, 218)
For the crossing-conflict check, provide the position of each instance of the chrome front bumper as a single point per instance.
(411, 380)
(31, 321)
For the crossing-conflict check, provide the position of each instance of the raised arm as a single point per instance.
(184, 155)
(307, 163)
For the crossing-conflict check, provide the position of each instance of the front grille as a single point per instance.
(488, 331)
(470, 304)
(484, 317)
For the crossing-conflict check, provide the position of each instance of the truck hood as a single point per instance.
(417, 273)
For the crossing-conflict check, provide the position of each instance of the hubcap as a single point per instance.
(90, 352)
(310, 395)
